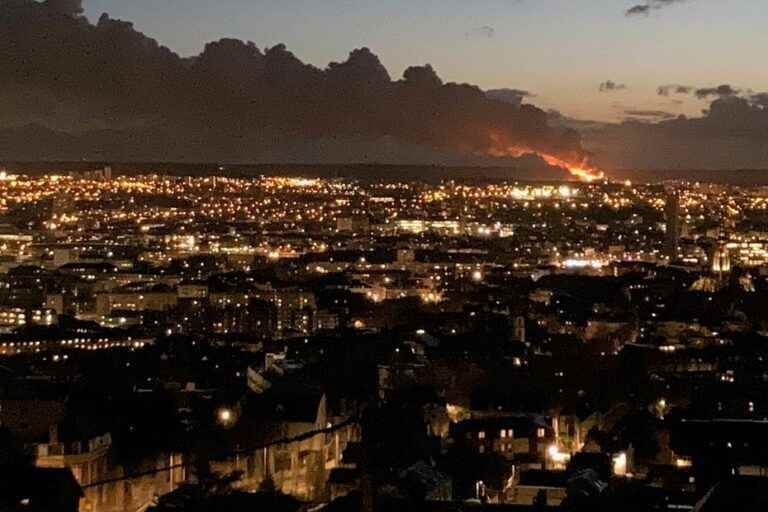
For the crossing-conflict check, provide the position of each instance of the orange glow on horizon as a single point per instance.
(582, 169)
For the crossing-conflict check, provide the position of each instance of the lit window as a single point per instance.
(541, 433)
(481, 435)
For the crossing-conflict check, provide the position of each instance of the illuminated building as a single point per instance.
(721, 261)
(11, 318)
(14, 345)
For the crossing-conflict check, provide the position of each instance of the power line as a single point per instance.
(285, 440)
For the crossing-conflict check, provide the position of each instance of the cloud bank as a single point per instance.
(732, 134)
(512, 96)
(234, 101)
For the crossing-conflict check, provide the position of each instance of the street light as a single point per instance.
(558, 458)
(225, 416)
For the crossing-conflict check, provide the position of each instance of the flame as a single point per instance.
(583, 170)
(580, 169)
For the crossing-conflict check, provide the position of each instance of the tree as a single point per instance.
(13, 461)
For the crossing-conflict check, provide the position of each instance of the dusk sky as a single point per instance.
(611, 84)
(560, 50)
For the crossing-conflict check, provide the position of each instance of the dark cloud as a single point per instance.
(720, 91)
(486, 31)
(422, 76)
(640, 9)
(582, 126)
(512, 96)
(68, 7)
(644, 9)
(702, 93)
(731, 134)
(760, 99)
(234, 101)
(611, 86)
(667, 90)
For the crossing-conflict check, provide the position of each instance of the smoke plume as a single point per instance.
(235, 101)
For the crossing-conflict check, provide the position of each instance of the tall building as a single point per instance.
(721, 262)
(672, 213)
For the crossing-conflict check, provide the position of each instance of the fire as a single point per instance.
(581, 169)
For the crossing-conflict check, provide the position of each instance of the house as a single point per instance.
(85, 455)
(513, 436)
(301, 467)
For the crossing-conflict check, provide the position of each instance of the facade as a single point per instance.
(135, 301)
(103, 490)
(301, 467)
(514, 437)
(86, 458)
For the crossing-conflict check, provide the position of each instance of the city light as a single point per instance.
(225, 416)
(620, 464)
